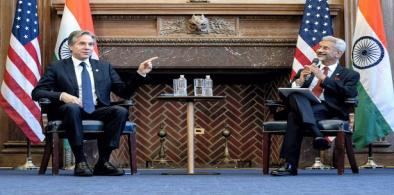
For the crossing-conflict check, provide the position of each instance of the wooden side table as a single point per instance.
(190, 100)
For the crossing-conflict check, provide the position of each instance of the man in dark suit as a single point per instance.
(332, 84)
(80, 87)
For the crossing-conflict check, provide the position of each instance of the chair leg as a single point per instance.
(55, 154)
(132, 142)
(350, 153)
(46, 156)
(266, 146)
(340, 152)
(334, 161)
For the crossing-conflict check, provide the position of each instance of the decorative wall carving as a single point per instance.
(122, 17)
(219, 25)
(214, 26)
(198, 24)
(177, 25)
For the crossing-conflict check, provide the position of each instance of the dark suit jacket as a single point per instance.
(341, 85)
(60, 77)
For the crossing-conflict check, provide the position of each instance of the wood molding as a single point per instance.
(181, 8)
(245, 42)
(20, 147)
(228, 55)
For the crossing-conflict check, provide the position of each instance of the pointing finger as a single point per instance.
(151, 59)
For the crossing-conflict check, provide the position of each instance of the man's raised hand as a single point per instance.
(146, 66)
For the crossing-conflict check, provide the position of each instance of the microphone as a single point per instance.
(315, 61)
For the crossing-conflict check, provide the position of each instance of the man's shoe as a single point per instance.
(286, 170)
(321, 143)
(82, 169)
(107, 169)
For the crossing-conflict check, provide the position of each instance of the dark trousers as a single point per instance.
(114, 118)
(302, 116)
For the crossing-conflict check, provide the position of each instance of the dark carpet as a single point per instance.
(234, 181)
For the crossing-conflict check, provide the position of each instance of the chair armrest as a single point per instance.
(278, 103)
(351, 101)
(273, 106)
(352, 104)
(44, 101)
(125, 103)
(44, 104)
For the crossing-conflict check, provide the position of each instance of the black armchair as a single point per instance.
(54, 131)
(341, 129)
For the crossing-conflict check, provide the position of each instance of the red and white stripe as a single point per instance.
(304, 54)
(22, 72)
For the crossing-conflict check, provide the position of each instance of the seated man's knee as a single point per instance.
(295, 96)
(71, 108)
(120, 112)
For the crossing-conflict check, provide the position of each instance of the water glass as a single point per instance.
(198, 87)
(175, 85)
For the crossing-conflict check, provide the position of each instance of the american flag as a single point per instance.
(22, 71)
(316, 23)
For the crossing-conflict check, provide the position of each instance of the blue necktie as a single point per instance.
(87, 95)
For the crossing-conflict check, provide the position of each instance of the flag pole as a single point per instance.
(318, 164)
(29, 165)
(370, 162)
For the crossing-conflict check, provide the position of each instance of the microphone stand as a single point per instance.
(29, 165)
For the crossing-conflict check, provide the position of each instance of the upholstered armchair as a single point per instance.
(341, 129)
(54, 132)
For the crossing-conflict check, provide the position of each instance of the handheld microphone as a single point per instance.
(315, 61)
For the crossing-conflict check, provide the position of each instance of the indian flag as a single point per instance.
(375, 112)
(76, 16)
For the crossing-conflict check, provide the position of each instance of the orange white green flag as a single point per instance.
(375, 112)
(76, 16)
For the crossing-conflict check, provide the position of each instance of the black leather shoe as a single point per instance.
(285, 171)
(82, 169)
(321, 143)
(107, 169)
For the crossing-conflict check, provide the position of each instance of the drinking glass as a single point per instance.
(198, 87)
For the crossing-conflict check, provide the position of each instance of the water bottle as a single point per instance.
(208, 86)
(182, 85)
